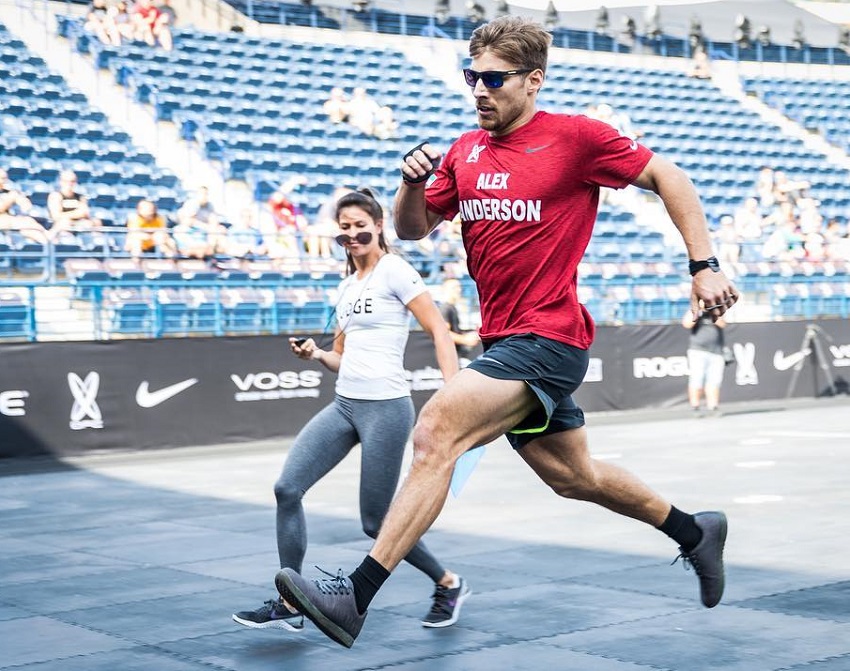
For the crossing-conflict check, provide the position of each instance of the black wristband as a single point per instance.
(711, 262)
(422, 178)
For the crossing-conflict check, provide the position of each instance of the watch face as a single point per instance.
(713, 264)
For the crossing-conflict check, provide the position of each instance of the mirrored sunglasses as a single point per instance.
(493, 79)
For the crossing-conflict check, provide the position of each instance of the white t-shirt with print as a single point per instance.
(373, 315)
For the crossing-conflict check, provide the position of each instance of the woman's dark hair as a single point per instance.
(364, 199)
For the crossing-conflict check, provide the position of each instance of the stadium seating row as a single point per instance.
(819, 105)
(47, 127)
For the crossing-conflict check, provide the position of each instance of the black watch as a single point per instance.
(711, 262)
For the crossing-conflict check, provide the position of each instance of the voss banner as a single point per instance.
(65, 398)
(154, 393)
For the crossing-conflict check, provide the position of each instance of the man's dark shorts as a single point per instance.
(553, 371)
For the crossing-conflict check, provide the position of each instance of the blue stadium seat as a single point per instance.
(15, 316)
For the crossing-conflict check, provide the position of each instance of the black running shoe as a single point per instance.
(445, 609)
(328, 602)
(273, 614)
(707, 557)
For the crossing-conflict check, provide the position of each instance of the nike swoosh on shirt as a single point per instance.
(149, 399)
(782, 362)
(531, 150)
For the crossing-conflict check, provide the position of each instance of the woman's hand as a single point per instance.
(304, 348)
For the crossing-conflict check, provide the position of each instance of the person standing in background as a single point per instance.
(464, 341)
(705, 359)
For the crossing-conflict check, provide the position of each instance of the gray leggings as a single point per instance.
(382, 428)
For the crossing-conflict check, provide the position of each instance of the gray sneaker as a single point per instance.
(707, 557)
(445, 609)
(271, 615)
(328, 602)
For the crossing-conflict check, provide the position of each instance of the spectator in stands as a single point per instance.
(764, 188)
(809, 216)
(320, 233)
(838, 240)
(728, 244)
(372, 405)
(15, 207)
(781, 215)
(785, 243)
(619, 120)
(386, 126)
(147, 231)
(121, 21)
(290, 223)
(362, 110)
(464, 341)
(701, 66)
(748, 220)
(448, 243)
(786, 189)
(69, 208)
(243, 239)
(195, 241)
(336, 106)
(99, 23)
(815, 247)
(834, 230)
(705, 360)
(199, 233)
(199, 211)
(145, 16)
(164, 23)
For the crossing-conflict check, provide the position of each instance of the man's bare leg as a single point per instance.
(456, 419)
(563, 462)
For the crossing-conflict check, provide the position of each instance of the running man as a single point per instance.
(526, 184)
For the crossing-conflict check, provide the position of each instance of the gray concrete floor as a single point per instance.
(136, 560)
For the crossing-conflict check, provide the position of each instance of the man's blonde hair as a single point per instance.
(516, 39)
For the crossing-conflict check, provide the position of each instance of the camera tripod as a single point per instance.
(812, 345)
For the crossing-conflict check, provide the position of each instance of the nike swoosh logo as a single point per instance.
(782, 362)
(149, 399)
(532, 150)
(633, 145)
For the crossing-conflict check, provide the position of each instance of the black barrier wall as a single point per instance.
(646, 366)
(65, 398)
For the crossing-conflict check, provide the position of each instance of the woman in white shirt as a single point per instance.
(372, 405)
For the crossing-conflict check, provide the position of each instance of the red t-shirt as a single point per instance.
(528, 203)
(149, 13)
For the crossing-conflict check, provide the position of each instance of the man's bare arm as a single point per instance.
(681, 199)
(413, 220)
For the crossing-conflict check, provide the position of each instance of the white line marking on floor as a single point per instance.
(755, 464)
(755, 441)
(757, 498)
(806, 434)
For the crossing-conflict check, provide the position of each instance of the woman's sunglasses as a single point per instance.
(493, 79)
(362, 238)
